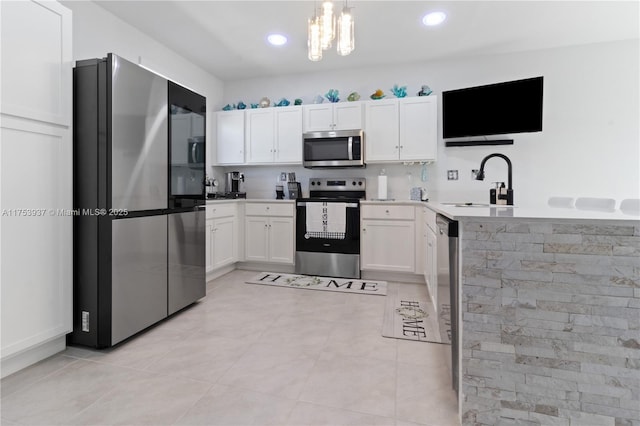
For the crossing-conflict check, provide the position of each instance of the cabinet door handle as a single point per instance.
(387, 211)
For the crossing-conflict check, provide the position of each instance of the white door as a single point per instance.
(418, 128)
(281, 239)
(224, 243)
(347, 116)
(381, 130)
(209, 249)
(230, 137)
(260, 135)
(388, 245)
(318, 117)
(256, 239)
(289, 135)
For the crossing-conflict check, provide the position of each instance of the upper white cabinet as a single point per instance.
(274, 135)
(401, 129)
(36, 259)
(333, 116)
(230, 137)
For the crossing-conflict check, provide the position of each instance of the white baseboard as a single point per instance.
(25, 358)
(266, 267)
(393, 276)
(216, 273)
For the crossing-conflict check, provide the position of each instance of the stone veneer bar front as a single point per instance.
(550, 321)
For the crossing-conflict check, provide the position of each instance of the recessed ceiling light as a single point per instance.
(277, 39)
(434, 18)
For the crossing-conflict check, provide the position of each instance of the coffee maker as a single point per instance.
(233, 185)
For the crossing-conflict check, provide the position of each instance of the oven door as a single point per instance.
(333, 255)
(309, 242)
(343, 148)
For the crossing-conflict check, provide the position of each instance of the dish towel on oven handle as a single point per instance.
(326, 220)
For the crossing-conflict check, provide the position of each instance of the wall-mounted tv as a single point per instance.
(494, 109)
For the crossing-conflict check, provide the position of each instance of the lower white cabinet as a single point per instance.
(221, 235)
(430, 254)
(388, 238)
(269, 232)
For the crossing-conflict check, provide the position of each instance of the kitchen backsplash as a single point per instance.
(260, 181)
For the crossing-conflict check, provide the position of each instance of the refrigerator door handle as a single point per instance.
(194, 153)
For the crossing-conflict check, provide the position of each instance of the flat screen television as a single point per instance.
(494, 109)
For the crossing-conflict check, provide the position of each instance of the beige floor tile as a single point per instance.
(272, 368)
(30, 375)
(57, 398)
(247, 355)
(361, 340)
(305, 414)
(203, 357)
(146, 399)
(226, 406)
(360, 384)
(290, 330)
(424, 353)
(424, 395)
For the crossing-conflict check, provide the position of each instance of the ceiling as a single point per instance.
(228, 38)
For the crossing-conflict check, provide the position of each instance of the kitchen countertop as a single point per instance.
(527, 212)
(244, 200)
(481, 211)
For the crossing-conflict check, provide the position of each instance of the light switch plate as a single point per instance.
(283, 176)
(452, 175)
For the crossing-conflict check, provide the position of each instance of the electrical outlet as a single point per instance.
(452, 175)
(283, 176)
(474, 173)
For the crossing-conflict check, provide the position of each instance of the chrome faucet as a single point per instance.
(509, 194)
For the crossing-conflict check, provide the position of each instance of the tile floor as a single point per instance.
(246, 355)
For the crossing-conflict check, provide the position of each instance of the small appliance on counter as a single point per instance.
(295, 190)
(279, 192)
(211, 186)
(233, 185)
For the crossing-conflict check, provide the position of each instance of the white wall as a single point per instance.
(97, 32)
(589, 146)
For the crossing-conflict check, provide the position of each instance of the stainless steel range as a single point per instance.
(328, 228)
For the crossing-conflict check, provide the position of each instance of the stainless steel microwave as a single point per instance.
(339, 148)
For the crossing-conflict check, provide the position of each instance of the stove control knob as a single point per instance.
(353, 183)
(313, 183)
(360, 183)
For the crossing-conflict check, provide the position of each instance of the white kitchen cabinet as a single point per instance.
(274, 135)
(230, 137)
(401, 129)
(222, 235)
(388, 238)
(430, 253)
(381, 130)
(269, 232)
(333, 116)
(36, 260)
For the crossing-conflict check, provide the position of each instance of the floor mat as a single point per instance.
(309, 282)
(407, 317)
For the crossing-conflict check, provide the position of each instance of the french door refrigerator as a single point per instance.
(139, 250)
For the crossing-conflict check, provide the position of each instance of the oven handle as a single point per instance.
(304, 204)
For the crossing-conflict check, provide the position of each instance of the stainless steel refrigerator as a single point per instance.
(139, 164)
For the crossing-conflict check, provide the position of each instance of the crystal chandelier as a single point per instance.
(322, 31)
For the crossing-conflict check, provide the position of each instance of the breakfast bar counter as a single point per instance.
(550, 315)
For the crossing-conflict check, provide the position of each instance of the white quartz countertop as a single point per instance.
(526, 212)
(250, 200)
(481, 211)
